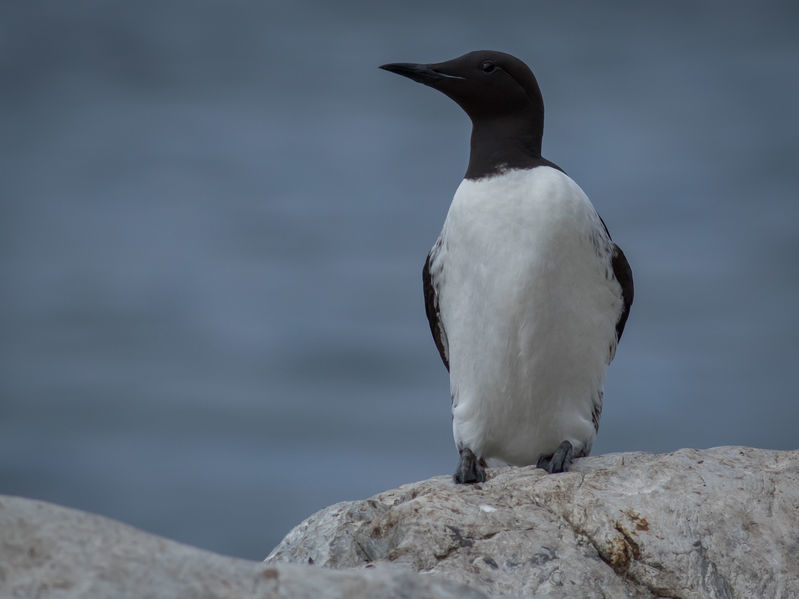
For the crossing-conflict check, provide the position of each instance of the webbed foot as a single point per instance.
(470, 469)
(558, 461)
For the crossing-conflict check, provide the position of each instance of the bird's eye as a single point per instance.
(488, 66)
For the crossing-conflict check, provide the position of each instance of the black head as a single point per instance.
(501, 96)
(485, 84)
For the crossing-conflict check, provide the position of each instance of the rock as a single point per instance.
(50, 551)
(717, 523)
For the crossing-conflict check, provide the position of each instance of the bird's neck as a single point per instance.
(502, 145)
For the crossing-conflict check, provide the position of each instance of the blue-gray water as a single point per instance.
(214, 215)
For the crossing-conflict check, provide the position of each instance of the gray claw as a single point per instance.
(470, 469)
(558, 461)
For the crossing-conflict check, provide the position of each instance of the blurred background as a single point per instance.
(214, 215)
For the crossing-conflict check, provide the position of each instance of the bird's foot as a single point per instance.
(558, 461)
(470, 469)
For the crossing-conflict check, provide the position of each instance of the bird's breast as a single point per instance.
(522, 231)
(529, 306)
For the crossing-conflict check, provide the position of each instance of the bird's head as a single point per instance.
(488, 85)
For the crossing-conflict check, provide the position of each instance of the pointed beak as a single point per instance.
(423, 73)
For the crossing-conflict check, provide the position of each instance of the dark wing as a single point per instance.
(432, 310)
(624, 275)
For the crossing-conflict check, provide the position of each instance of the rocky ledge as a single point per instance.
(47, 551)
(721, 522)
(717, 523)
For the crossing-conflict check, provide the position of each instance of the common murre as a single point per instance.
(526, 294)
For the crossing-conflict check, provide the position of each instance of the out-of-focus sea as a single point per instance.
(213, 219)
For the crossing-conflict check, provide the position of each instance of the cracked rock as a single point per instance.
(717, 523)
(47, 551)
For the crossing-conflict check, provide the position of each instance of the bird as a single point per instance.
(525, 291)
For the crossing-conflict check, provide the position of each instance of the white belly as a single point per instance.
(529, 305)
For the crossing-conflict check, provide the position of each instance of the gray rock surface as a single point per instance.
(716, 523)
(50, 551)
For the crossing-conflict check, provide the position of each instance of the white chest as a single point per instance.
(529, 306)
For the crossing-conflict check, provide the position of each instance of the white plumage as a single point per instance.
(528, 307)
(525, 292)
